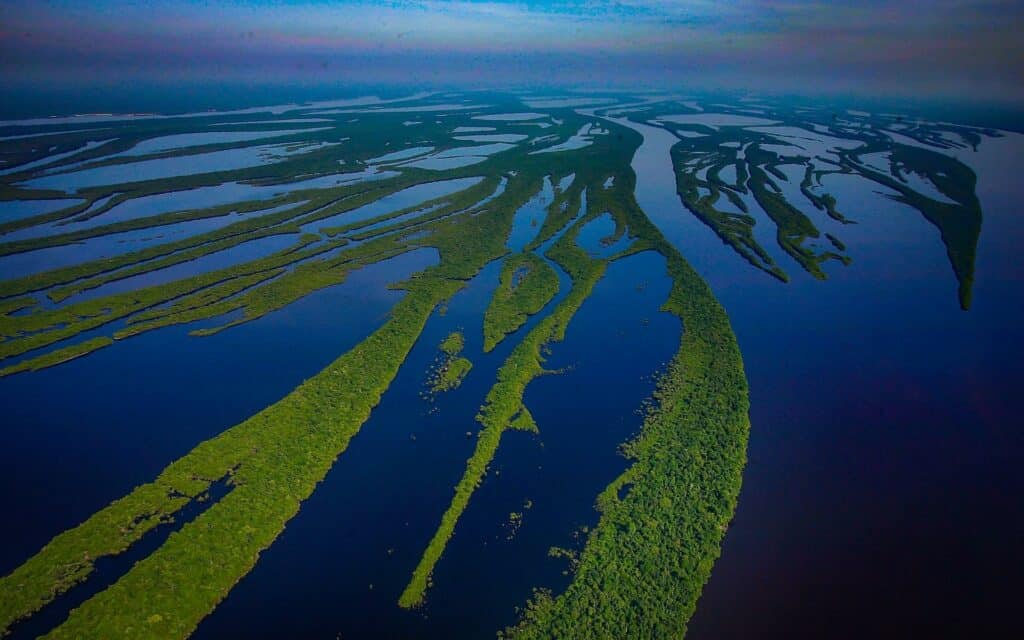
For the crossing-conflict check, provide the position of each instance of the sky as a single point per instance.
(952, 48)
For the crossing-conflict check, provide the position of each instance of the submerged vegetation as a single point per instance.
(126, 250)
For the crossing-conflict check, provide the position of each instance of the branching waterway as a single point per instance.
(343, 369)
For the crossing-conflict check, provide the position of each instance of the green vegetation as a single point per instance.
(760, 170)
(527, 284)
(207, 295)
(515, 522)
(643, 566)
(793, 227)
(736, 230)
(570, 555)
(272, 460)
(57, 356)
(503, 409)
(759, 156)
(451, 375)
(825, 201)
(958, 219)
(453, 344)
(13, 305)
(452, 367)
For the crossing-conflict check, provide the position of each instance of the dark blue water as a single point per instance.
(881, 498)
(18, 209)
(341, 564)
(595, 235)
(529, 218)
(83, 434)
(108, 570)
(614, 345)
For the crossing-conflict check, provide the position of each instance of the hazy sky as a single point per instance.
(963, 48)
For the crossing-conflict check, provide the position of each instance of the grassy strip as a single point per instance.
(16, 304)
(43, 218)
(105, 270)
(207, 303)
(60, 294)
(562, 209)
(446, 204)
(313, 275)
(67, 322)
(527, 283)
(300, 282)
(57, 356)
(262, 292)
(45, 328)
(253, 307)
(290, 286)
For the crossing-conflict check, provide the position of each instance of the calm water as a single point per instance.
(74, 439)
(368, 523)
(881, 496)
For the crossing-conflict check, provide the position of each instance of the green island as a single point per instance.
(527, 284)
(453, 367)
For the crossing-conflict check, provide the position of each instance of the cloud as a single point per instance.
(951, 41)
